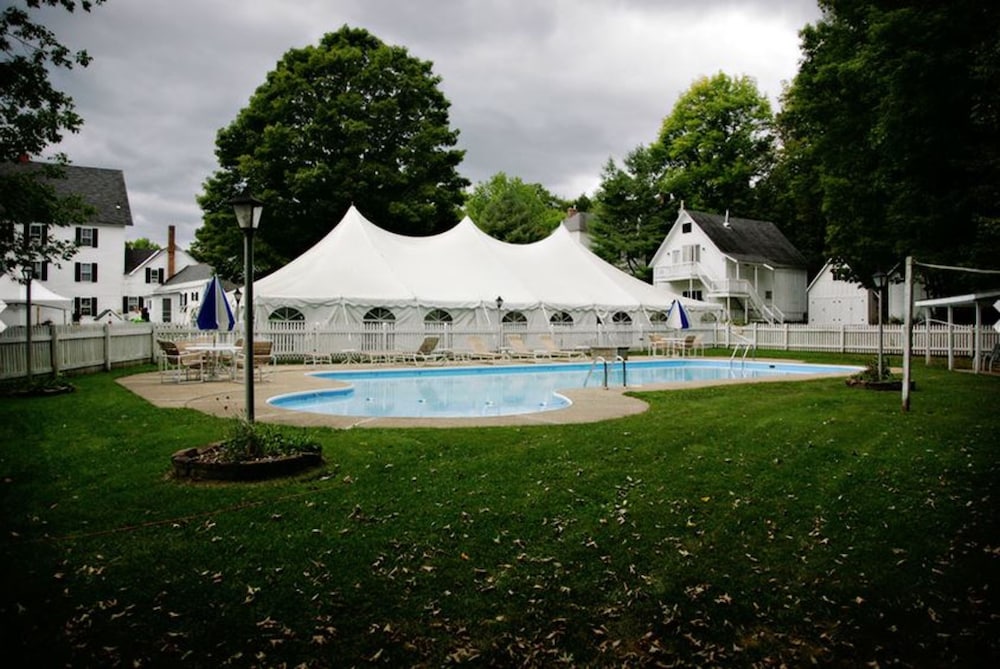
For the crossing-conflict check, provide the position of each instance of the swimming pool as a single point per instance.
(463, 392)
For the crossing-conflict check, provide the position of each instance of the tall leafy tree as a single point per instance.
(513, 211)
(33, 116)
(350, 120)
(631, 214)
(896, 103)
(717, 142)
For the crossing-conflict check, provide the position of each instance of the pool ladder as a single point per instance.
(747, 344)
(604, 364)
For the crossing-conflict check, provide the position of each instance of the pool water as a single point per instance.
(463, 392)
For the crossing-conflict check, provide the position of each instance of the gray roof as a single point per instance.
(135, 257)
(196, 272)
(103, 189)
(749, 240)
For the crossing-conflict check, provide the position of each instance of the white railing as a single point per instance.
(75, 348)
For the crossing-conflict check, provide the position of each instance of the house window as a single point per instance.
(40, 270)
(85, 306)
(686, 227)
(675, 256)
(768, 295)
(691, 253)
(693, 294)
(154, 275)
(85, 272)
(166, 310)
(561, 318)
(86, 237)
(286, 315)
(36, 233)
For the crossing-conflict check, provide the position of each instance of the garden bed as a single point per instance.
(206, 465)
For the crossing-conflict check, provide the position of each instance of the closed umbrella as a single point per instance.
(215, 312)
(677, 318)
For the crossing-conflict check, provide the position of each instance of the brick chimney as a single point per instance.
(171, 250)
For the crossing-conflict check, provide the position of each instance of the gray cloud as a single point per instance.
(545, 91)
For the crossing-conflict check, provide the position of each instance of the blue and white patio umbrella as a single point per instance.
(677, 318)
(215, 312)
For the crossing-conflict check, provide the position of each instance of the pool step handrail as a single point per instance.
(590, 371)
(747, 344)
(624, 372)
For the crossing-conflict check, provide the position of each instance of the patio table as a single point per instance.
(215, 360)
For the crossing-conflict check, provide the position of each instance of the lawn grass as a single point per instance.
(756, 525)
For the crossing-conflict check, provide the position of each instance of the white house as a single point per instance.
(148, 269)
(93, 278)
(833, 301)
(749, 267)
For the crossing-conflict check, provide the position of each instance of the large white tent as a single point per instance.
(359, 267)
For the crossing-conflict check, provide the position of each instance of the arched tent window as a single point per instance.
(621, 318)
(379, 326)
(515, 318)
(286, 315)
(437, 316)
(438, 322)
(658, 317)
(561, 319)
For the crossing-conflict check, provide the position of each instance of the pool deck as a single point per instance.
(227, 398)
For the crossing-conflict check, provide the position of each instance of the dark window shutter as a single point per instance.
(79, 236)
(45, 233)
(76, 271)
(45, 271)
(94, 242)
(160, 272)
(142, 303)
(93, 273)
(124, 305)
(149, 275)
(93, 306)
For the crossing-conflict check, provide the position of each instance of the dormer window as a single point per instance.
(686, 227)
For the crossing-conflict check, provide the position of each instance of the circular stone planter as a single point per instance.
(196, 464)
(880, 385)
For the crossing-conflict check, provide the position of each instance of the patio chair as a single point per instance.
(988, 360)
(480, 351)
(555, 352)
(263, 360)
(425, 352)
(692, 343)
(659, 345)
(178, 365)
(518, 350)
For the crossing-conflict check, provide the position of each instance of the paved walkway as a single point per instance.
(227, 399)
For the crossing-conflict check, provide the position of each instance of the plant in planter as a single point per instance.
(251, 451)
(37, 387)
(871, 378)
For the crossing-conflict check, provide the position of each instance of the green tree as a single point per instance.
(631, 216)
(897, 106)
(513, 211)
(717, 142)
(142, 243)
(33, 116)
(351, 120)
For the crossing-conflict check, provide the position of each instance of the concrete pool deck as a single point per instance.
(227, 399)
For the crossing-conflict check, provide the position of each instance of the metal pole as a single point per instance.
(880, 289)
(248, 320)
(27, 320)
(907, 331)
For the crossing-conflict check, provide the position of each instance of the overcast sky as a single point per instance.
(544, 90)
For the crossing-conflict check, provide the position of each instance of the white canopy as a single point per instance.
(359, 266)
(15, 292)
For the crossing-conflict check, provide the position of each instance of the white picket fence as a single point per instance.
(82, 348)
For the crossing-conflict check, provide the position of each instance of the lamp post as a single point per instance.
(26, 273)
(880, 280)
(499, 302)
(248, 210)
(238, 294)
